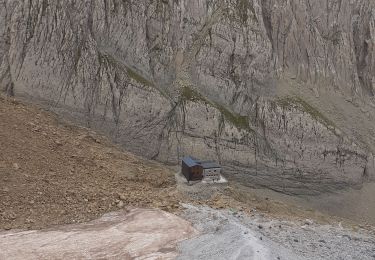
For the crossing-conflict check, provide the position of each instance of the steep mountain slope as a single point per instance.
(280, 92)
(53, 173)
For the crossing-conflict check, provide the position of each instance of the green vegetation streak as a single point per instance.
(289, 102)
(134, 75)
(241, 122)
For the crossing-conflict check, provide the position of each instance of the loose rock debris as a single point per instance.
(53, 173)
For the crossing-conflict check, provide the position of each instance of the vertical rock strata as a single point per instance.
(280, 92)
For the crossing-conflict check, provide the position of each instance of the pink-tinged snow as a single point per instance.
(138, 233)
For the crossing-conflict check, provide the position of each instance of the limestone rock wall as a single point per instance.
(271, 89)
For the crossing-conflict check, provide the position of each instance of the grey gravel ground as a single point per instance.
(227, 234)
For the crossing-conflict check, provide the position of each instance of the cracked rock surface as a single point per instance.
(281, 93)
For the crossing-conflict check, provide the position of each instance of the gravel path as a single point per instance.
(227, 234)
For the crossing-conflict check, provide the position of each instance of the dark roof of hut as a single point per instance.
(210, 165)
(190, 162)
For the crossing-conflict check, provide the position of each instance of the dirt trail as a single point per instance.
(233, 234)
(53, 173)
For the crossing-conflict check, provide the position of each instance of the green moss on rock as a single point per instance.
(106, 59)
(241, 122)
(137, 77)
(290, 102)
(192, 95)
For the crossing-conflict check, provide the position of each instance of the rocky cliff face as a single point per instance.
(280, 92)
